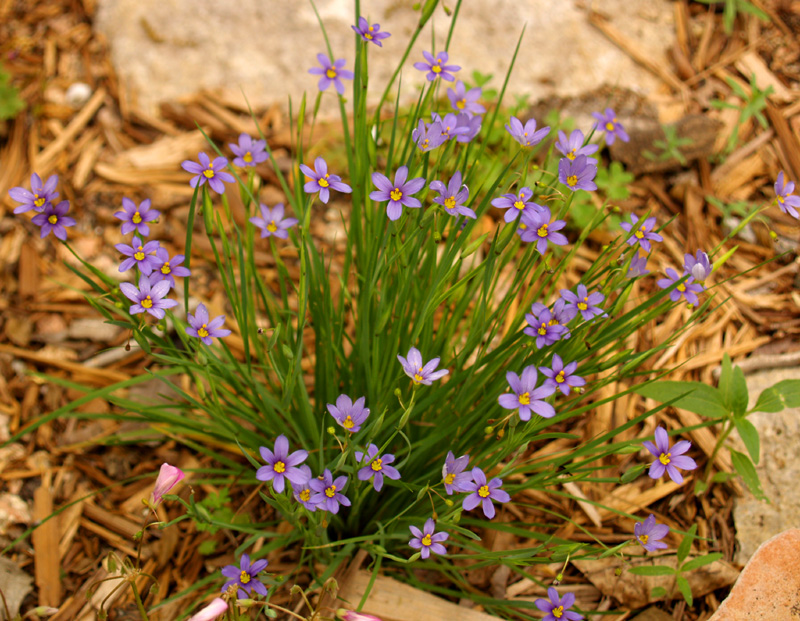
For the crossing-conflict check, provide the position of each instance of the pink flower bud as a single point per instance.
(213, 610)
(350, 615)
(168, 477)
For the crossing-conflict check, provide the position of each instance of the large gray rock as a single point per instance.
(168, 48)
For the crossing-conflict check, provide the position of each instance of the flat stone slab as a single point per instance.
(769, 586)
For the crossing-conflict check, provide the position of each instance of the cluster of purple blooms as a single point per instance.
(527, 398)
(474, 483)
(50, 216)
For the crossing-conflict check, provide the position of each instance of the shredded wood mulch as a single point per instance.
(102, 148)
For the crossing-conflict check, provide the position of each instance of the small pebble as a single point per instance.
(78, 94)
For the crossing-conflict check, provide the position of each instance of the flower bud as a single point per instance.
(212, 611)
(351, 615)
(44, 611)
(331, 430)
(168, 477)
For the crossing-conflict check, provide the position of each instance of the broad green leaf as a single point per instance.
(701, 398)
(785, 394)
(726, 381)
(632, 473)
(685, 589)
(652, 570)
(686, 544)
(701, 561)
(700, 487)
(745, 468)
(749, 435)
(739, 394)
(658, 592)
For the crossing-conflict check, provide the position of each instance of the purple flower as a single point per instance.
(146, 298)
(426, 540)
(136, 218)
(41, 195)
(370, 33)
(302, 491)
(608, 122)
(638, 266)
(208, 171)
(698, 266)
(578, 174)
(200, 327)
(169, 268)
(418, 372)
(519, 202)
(321, 181)
(544, 326)
(449, 126)
(272, 221)
(452, 196)
(245, 577)
(526, 134)
(331, 73)
(483, 492)
(560, 376)
(348, 414)
(453, 475)
(377, 467)
(583, 302)
(643, 233)
(573, 146)
(784, 198)
(669, 459)
(648, 533)
(397, 193)
(687, 289)
(471, 124)
(526, 397)
(281, 465)
(140, 255)
(428, 136)
(557, 609)
(249, 152)
(328, 495)
(436, 68)
(537, 227)
(465, 101)
(53, 219)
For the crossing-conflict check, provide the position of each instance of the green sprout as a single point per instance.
(670, 147)
(733, 7)
(754, 103)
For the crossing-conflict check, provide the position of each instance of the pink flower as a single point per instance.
(350, 615)
(212, 611)
(168, 477)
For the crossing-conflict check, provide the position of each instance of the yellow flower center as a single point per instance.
(553, 322)
(542, 232)
(248, 157)
(348, 422)
(557, 612)
(436, 68)
(610, 125)
(165, 269)
(781, 200)
(425, 143)
(396, 194)
(426, 540)
(483, 491)
(664, 458)
(377, 465)
(323, 183)
(244, 577)
(53, 219)
(272, 227)
(582, 306)
(560, 377)
(39, 200)
(572, 181)
(523, 226)
(330, 492)
(368, 36)
(450, 202)
(571, 154)
(209, 173)
(525, 398)
(542, 329)
(331, 73)
(202, 332)
(681, 287)
(147, 302)
(644, 538)
(305, 495)
(450, 478)
(137, 218)
(519, 205)
(460, 104)
(279, 467)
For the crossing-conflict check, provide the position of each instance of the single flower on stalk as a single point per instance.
(452, 196)
(217, 607)
(328, 495)
(558, 609)
(449, 126)
(607, 121)
(526, 135)
(302, 492)
(169, 268)
(788, 202)
(320, 180)
(544, 326)
(377, 467)
(584, 303)
(525, 397)
(698, 266)
(573, 146)
(245, 576)
(136, 218)
(669, 459)
(428, 540)
(54, 219)
(398, 193)
(418, 372)
(538, 228)
(638, 266)
(562, 377)
(453, 475)
(272, 221)
(249, 152)
(436, 67)
(281, 465)
(688, 289)
(578, 174)
(516, 204)
(648, 533)
(483, 493)
(168, 477)
(208, 172)
(331, 73)
(642, 232)
(464, 100)
(428, 136)
(348, 414)
(204, 329)
(148, 299)
(370, 34)
(38, 197)
(140, 255)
